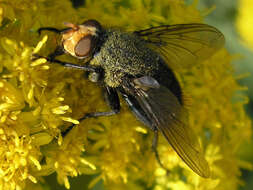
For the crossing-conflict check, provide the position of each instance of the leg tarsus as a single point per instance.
(114, 103)
(57, 52)
(52, 29)
(66, 64)
(86, 116)
(49, 29)
(154, 148)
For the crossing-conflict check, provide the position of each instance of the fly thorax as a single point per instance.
(114, 78)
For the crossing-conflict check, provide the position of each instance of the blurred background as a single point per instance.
(234, 19)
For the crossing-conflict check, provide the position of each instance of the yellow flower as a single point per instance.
(39, 100)
(244, 22)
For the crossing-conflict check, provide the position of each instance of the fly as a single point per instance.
(136, 66)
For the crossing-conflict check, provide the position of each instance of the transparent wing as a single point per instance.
(183, 44)
(168, 115)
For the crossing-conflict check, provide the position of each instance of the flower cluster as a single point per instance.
(38, 100)
(244, 21)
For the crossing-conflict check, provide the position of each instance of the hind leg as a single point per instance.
(140, 114)
(113, 102)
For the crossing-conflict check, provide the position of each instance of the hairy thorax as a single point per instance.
(124, 54)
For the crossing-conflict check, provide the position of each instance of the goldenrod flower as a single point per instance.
(244, 22)
(39, 100)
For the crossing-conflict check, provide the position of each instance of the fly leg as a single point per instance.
(57, 52)
(55, 30)
(59, 49)
(113, 101)
(52, 29)
(141, 115)
(154, 147)
(66, 64)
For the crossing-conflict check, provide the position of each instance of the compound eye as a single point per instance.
(84, 46)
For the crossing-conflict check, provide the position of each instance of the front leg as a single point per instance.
(69, 65)
(57, 52)
(113, 101)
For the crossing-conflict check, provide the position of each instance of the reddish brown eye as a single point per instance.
(84, 46)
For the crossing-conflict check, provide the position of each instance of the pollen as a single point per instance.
(9, 42)
(35, 162)
(1, 84)
(160, 172)
(66, 183)
(92, 166)
(30, 93)
(25, 53)
(41, 138)
(60, 109)
(38, 62)
(40, 44)
(45, 67)
(33, 179)
(68, 119)
(141, 130)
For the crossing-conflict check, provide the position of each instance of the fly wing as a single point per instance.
(183, 44)
(168, 115)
